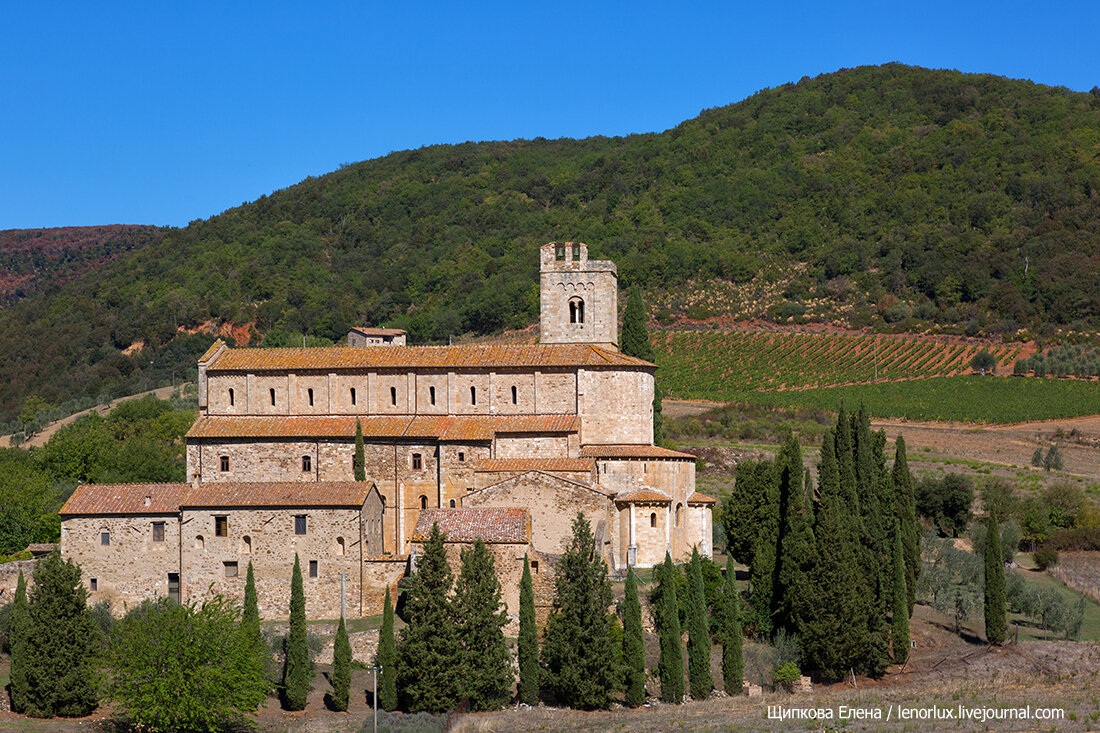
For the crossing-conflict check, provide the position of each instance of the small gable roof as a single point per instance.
(507, 525)
(643, 496)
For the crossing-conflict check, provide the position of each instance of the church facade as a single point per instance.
(479, 431)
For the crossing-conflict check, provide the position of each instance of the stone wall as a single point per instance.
(133, 567)
(9, 577)
(615, 406)
(267, 538)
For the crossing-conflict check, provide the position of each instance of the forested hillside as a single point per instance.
(909, 195)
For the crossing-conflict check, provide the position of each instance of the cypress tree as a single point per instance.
(729, 633)
(482, 616)
(795, 545)
(635, 342)
(763, 572)
(359, 461)
(430, 654)
(905, 507)
(995, 621)
(254, 660)
(577, 650)
(633, 643)
(298, 668)
(671, 667)
(61, 643)
(528, 639)
(386, 659)
(900, 621)
(341, 668)
(16, 642)
(699, 645)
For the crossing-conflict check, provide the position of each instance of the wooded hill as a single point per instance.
(970, 201)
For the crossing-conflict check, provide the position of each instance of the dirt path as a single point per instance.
(42, 437)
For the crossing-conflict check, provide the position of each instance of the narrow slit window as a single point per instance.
(230, 397)
(431, 395)
(313, 568)
(423, 502)
(653, 520)
(452, 503)
(246, 545)
(307, 464)
(461, 457)
(515, 395)
(353, 395)
(309, 395)
(95, 584)
(223, 463)
(393, 396)
(473, 395)
(272, 393)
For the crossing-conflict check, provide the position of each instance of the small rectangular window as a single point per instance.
(313, 568)
(158, 531)
(174, 587)
(95, 584)
(300, 524)
(104, 538)
(535, 566)
(417, 462)
(221, 526)
(307, 464)
(230, 568)
(223, 463)
(461, 457)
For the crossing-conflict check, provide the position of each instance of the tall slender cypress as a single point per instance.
(671, 667)
(905, 507)
(729, 633)
(995, 613)
(359, 461)
(633, 643)
(255, 662)
(297, 669)
(430, 653)
(17, 639)
(795, 544)
(900, 622)
(481, 617)
(699, 645)
(528, 639)
(386, 659)
(341, 668)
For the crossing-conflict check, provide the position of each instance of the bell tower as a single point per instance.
(579, 297)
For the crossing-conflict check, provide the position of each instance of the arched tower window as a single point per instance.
(653, 519)
(576, 310)
(423, 502)
(679, 514)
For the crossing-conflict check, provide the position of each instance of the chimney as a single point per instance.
(195, 480)
(148, 500)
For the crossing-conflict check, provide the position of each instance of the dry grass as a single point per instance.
(1080, 571)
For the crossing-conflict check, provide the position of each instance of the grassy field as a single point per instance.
(712, 362)
(961, 398)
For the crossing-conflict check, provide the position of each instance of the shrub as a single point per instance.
(1046, 557)
(786, 675)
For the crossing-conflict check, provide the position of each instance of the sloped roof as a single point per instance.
(168, 498)
(423, 357)
(698, 498)
(494, 525)
(631, 451)
(442, 427)
(500, 465)
(377, 331)
(644, 496)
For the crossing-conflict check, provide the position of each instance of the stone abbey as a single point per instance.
(500, 443)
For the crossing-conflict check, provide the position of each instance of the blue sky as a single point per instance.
(144, 113)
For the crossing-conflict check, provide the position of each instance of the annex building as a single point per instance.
(500, 443)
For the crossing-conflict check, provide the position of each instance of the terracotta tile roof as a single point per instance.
(698, 498)
(212, 350)
(497, 524)
(275, 493)
(495, 465)
(125, 499)
(41, 548)
(443, 427)
(168, 498)
(644, 496)
(422, 357)
(631, 451)
(377, 331)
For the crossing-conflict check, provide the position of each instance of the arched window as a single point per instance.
(431, 395)
(340, 546)
(307, 464)
(246, 545)
(452, 503)
(309, 394)
(393, 395)
(576, 310)
(679, 514)
(473, 395)
(231, 397)
(653, 519)
(199, 542)
(272, 393)
(423, 502)
(353, 395)
(515, 394)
